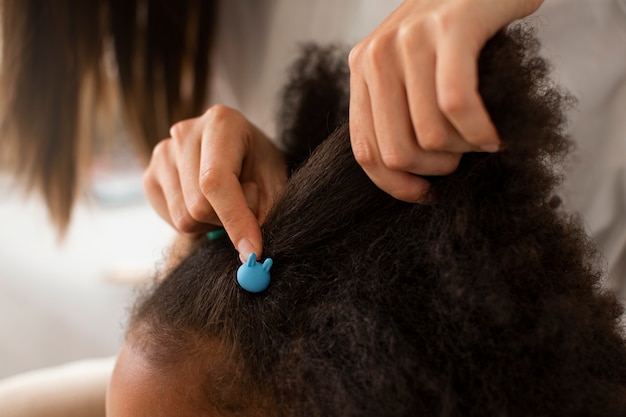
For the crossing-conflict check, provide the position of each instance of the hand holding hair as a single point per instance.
(414, 102)
(217, 169)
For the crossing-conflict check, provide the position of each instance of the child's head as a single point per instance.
(485, 302)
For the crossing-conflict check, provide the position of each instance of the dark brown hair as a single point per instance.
(485, 303)
(54, 81)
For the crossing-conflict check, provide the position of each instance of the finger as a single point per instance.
(434, 132)
(501, 13)
(231, 207)
(177, 208)
(399, 184)
(397, 144)
(458, 96)
(395, 138)
(154, 195)
(187, 138)
(220, 167)
(160, 164)
(456, 67)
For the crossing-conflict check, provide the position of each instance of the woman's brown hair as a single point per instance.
(56, 76)
(486, 302)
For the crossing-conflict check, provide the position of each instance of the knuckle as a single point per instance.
(355, 56)
(150, 183)
(219, 113)
(376, 54)
(198, 208)
(184, 223)
(180, 130)
(444, 20)
(408, 45)
(443, 163)
(210, 180)
(396, 160)
(372, 53)
(363, 154)
(533, 5)
(411, 36)
(432, 139)
(448, 164)
(403, 195)
(160, 150)
(441, 21)
(453, 101)
(159, 161)
(404, 192)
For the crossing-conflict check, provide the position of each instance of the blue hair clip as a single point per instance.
(253, 276)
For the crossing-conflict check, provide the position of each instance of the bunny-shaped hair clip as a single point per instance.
(253, 276)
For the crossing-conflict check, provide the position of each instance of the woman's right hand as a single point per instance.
(415, 106)
(216, 169)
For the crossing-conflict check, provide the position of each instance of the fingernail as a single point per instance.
(245, 248)
(490, 148)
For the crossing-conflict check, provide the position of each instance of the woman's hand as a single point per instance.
(217, 169)
(414, 102)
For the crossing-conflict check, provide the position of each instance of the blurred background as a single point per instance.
(64, 300)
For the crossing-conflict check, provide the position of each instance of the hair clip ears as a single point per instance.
(253, 276)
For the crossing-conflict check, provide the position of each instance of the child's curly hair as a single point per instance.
(484, 303)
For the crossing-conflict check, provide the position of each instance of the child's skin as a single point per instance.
(137, 388)
(140, 387)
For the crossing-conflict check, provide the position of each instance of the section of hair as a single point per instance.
(50, 51)
(53, 82)
(314, 101)
(486, 302)
(162, 50)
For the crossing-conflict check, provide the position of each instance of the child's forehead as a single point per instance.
(196, 382)
(138, 388)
